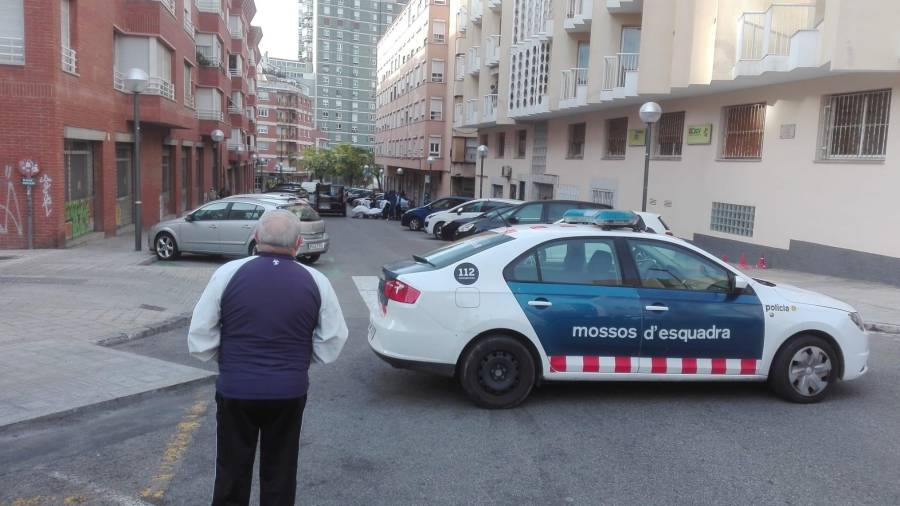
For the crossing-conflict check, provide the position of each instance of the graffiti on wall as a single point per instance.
(78, 213)
(10, 215)
(47, 204)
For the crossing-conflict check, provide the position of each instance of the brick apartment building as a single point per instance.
(285, 129)
(64, 106)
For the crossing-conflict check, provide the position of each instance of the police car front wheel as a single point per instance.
(805, 369)
(497, 372)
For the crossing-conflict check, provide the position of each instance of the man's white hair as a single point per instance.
(278, 228)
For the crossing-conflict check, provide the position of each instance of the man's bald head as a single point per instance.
(277, 230)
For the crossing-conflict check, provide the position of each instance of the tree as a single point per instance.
(349, 162)
(320, 162)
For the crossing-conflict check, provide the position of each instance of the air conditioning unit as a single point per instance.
(506, 171)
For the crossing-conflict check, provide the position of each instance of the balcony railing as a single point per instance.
(492, 58)
(476, 11)
(236, 29)
(189, 100)
(69, 60)
(214, 6)
(12, 50)
(234, 72)
(161, 87)
(236, 146)
(471, 111)
(208, 56)
(495, 5)
(462, 20)
(616, 68)
(169, 5)
(574, 8)
(208, 114)
(490, 107)
(189, 27)
(460, 70)
(474, 60)
(458, 112)
(761, 34)
(234, 109)
(574, 83)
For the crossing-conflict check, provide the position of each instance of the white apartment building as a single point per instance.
(778, 137)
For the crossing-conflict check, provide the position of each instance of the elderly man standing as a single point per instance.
(264, 318)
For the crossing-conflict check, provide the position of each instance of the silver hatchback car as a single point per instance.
(226, 227)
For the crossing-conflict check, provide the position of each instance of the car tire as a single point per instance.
(165, 247)
(437, 230)
(498, 372)
(253, 250)
(415, 224)
(804, 370)
(309, 259)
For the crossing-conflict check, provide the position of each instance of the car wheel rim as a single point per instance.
(165, 247)
(499, 372)
(414, 224)
(437, 230)
(809, 371)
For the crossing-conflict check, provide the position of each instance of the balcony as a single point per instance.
(233, 72)
(574, 88)
(476, 11)
(460, 70)
(495, 5)
(213, 6)
(620, 75)
(189, 100)
(208, 56)
(189, 27)
(234, 109)
(236, 28)
(579, 14)
(490, 108)
(473, 62)
(458, 113)
(462, 20)
(208, 114)
(624, 6)
(169, 5)
(69, 60)
(780, 39)
(471, 111)
(12, 51)
(155, 86)
(492, 58)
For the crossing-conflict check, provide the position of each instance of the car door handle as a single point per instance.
(540, 303)
(248, 227)
(213, 226)
(656, 307)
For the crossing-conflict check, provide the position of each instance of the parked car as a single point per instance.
(415, 218)
(227, 226)
(528, 213)
(449, 231)
(329, 199)
(436, 221)
(291, 188)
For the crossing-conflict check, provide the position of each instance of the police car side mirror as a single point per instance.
(738, 284)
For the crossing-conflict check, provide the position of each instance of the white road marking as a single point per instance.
(100, 492)
(367, 286)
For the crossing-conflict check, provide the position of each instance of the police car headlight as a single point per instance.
(467, 227)
(858, 321)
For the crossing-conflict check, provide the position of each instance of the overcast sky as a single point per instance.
(278, 19)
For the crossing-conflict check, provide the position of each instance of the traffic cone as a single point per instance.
(742, 264)
(761, 264)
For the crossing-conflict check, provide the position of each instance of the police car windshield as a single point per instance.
(457, 251)
(304, 212)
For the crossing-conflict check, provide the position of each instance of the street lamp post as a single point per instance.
(650, 114)
(136, 81)
(430, 180)
(217, 136)
(482, 153)
(399, 179)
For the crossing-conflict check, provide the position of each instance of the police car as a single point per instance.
(510, 308)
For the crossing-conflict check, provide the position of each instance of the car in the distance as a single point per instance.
(527, 213)
(227, 227)
(434, 222)
(449, 230)
(415, 218)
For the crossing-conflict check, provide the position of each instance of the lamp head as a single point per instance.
(430, 159)
(650, 112)
(136, 80)
(399, 171)
(217, 135)
(482, 151)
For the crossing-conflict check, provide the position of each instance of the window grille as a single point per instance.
(616, 137)
(743, 131)
(669, 133)
(732, 219)
(602, 196)
(855, 126)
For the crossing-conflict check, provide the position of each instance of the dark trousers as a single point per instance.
(276, 424)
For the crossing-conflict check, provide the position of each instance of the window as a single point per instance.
(434, 146)
(214, 211)
(669, 132)
(79, 169)
(262, 129)
(242, 211)
(262, 112)
(742, 134)
(501, 145)
(855, 126)
(521, 143)
(732, 219)
(616, 137)
(439, 31)
(455, 252)
(497, 191)
(65, 32)
(603, 196)
(437, 71)
(12, 32)
(437, 107)
(571, 261)
(576, 140)
(671, 267)
(123, 170)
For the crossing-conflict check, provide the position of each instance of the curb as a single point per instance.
(149, 261)
(150, 330)
(124, 400)
(887, 328)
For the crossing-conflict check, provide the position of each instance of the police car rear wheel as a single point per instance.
(165, 247)
(497, 372)
(804, 370)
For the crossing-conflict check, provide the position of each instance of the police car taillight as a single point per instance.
(398, 291)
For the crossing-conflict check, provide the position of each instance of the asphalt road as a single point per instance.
(376, 435)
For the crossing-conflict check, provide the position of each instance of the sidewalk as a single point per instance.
(55, 305)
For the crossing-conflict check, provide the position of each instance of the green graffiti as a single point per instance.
(79, 214)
